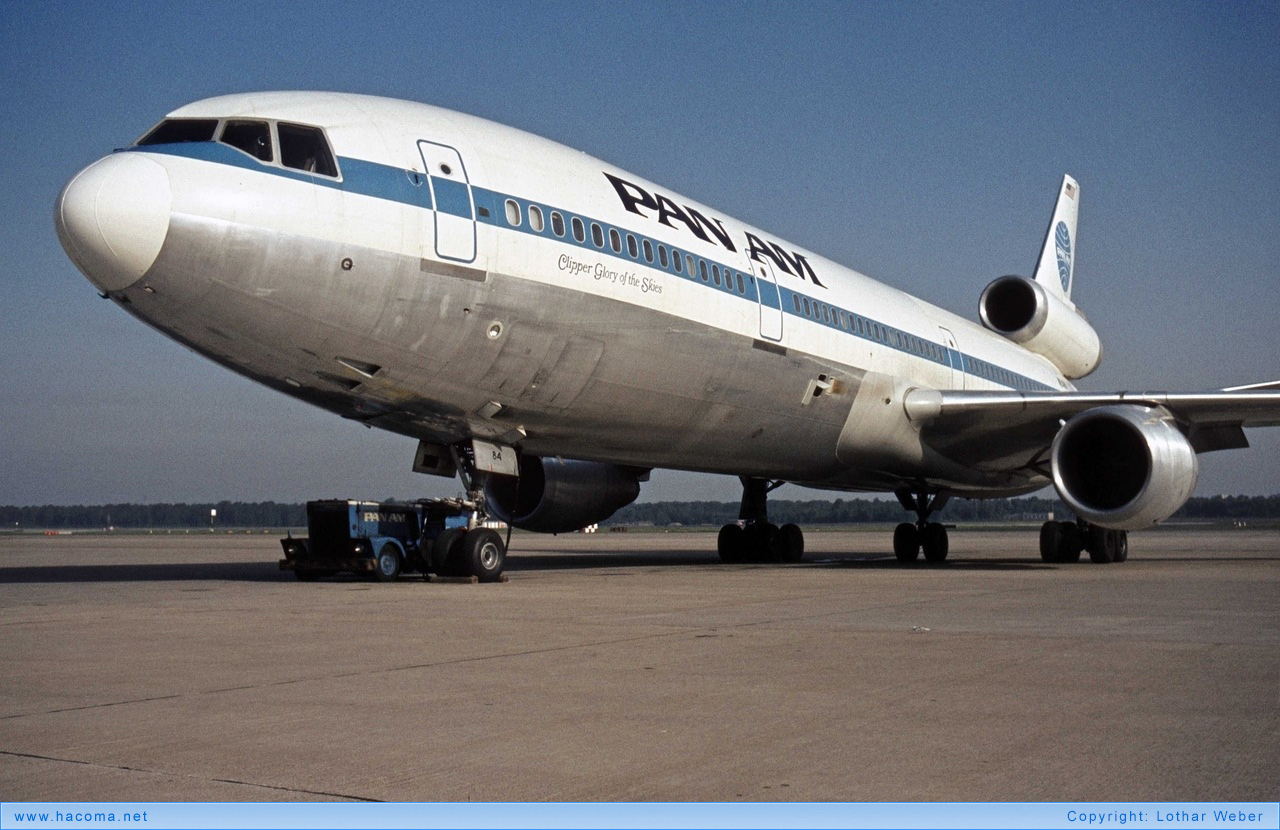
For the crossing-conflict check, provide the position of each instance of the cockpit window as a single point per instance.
(253, 137)
(179, 130)
(305, 148)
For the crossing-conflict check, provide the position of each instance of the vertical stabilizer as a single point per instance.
(1056, 269)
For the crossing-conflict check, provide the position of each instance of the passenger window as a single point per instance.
(715, 275)
(535, 219)
(702, 269)
(253, 137)
(631, 247)
(305, 148)
(648, 251)
(826, 313)
(597, 235)
(615, 241)
(742, 289)
(180, 131)
(662, 255)
(557, 223)
(677, 261)
(807, 311)
(795, 300)
(688, 258)
(579, 231)
(513, 213)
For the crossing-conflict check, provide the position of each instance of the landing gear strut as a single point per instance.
(1065, 541)
(474, 550)
(931, 537)
(753, 538)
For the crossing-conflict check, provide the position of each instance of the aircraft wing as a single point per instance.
(1016, 429)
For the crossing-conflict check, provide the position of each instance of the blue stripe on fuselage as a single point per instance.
(380, 181)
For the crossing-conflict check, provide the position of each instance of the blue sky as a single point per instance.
(919, 143)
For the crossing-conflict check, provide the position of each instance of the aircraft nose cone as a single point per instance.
(113, 217)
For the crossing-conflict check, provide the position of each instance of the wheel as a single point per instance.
(757, 541)
(934, 541)
(441, 555)
(788, 544)
(482, 554)
(731, 543)
(1051, 541)
(1072, 542)
(1122, 546)
(1100, 543)
(906, 542)
(387, 566)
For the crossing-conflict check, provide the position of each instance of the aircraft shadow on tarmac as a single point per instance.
(255, 571)
(666, 559)
(161, 572)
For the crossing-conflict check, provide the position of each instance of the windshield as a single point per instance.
(179, 130)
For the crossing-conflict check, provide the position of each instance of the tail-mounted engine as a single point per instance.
(552, 495)
(1021, 310)
(1123, 467)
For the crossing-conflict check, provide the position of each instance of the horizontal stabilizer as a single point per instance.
(1269, 386)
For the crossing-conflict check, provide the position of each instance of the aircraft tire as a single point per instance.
(906, 542)
(1122, 546)
(387, 565)
(788, 544)
(482, 554)
(758, 541)
(1100, 543)
(1072, 543)
(1051, 542)
(934, 542)
(731, 544)
(443, 549)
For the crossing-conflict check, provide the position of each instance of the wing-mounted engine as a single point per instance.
(1123, 467)
(1038, 320)
(554, 495)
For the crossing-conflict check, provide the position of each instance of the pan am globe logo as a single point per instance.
(1063, 239)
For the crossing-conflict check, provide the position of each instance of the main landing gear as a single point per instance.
(931, 537)
(1065, 541)
(753, 538)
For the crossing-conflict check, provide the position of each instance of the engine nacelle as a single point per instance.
(1123, 467)
(1021, 310)
(553, 495)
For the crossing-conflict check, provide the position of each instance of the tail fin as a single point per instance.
(1056, 268)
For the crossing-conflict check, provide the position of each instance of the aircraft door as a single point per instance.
(770, 297)
(954, 358)
(454, 204)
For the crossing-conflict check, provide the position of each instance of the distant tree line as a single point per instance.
(157, 516)
(663, 513)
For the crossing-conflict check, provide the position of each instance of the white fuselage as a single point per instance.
(439, 287)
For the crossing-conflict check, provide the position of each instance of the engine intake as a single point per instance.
(1021, 310)
(1123, 467)
(554, 495)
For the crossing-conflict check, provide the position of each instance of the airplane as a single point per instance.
(551, 328)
